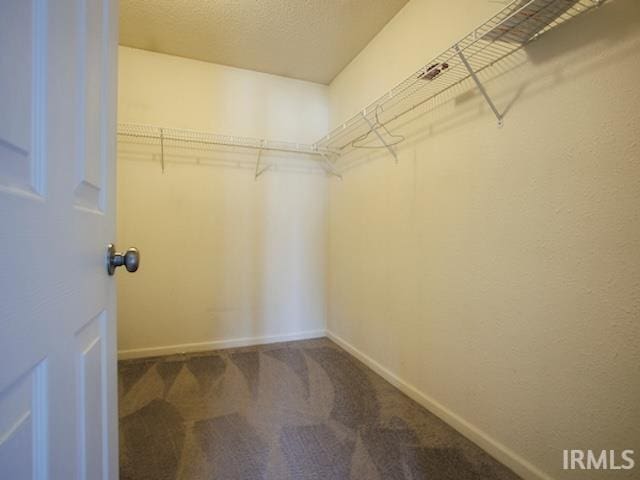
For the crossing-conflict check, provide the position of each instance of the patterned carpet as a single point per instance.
(296, 410)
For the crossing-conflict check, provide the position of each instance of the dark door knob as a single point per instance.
(130, 259)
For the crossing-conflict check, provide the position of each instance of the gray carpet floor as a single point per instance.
(296, 410)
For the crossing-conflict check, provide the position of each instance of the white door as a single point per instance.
(58, 398)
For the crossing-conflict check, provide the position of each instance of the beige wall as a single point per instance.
(225, 259)
(495, 273)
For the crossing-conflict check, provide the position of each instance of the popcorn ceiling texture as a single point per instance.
(305, 39)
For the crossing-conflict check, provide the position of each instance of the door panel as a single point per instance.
(91, 410)
(58, 411)
(21, 93)
(23, 436)
(93, 46)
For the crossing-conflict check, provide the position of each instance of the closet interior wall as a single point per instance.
(226, 260)
(493, 273)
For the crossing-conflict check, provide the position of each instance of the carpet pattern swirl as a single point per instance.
(295, 410)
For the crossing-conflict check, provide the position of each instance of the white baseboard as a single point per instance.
(216, 344)
(496, 449)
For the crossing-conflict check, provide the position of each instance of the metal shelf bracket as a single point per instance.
(260, 171)
(484, 93)
(331, 169)
(162, 149)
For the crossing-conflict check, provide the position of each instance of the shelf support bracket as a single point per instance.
(331, 169)
(258, 170)
(480, 87)
(162, 149)
(375, 130)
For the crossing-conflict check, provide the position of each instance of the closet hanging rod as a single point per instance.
(513, 27)
(168, 135)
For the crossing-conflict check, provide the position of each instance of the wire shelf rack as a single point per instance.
(167, 137)
(175, 136)
(516, 25)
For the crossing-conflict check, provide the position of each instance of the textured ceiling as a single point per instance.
(306, 39)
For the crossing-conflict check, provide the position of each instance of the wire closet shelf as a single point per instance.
(170, 136)
(516, 25)
(165, 137)
(519, 23)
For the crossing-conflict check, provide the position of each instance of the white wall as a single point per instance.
(225, 259)
(495, 273)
